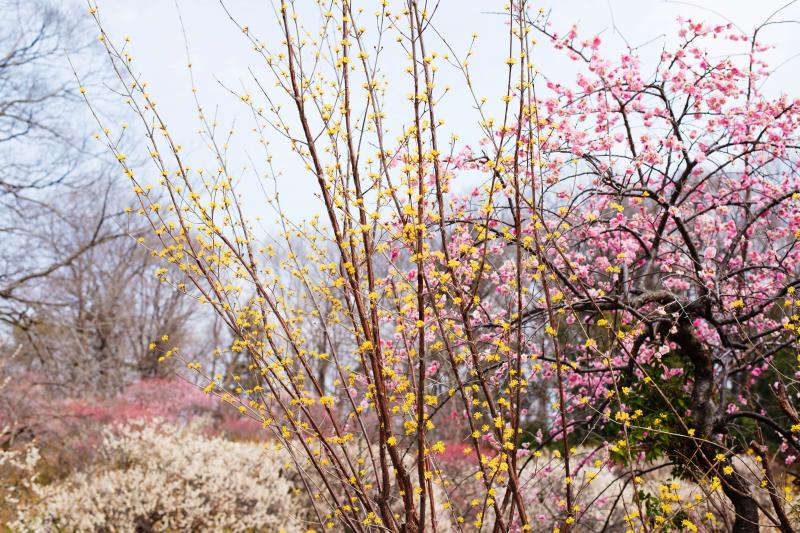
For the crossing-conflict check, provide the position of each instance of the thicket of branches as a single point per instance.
(627, 268)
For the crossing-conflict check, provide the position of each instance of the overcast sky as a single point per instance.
(221, 55)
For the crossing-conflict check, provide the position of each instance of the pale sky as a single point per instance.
(219, 52)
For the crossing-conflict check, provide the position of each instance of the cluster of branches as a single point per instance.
(627, 267)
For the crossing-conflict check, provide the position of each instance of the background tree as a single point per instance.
(43, 149)
(78, 294)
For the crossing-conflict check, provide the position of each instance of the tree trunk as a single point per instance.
(744, 505)
(735, 487)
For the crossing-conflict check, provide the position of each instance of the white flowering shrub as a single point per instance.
(17, 478)
(163, 478)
